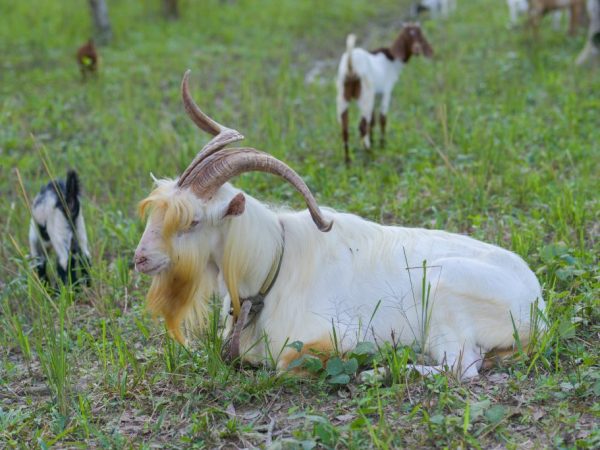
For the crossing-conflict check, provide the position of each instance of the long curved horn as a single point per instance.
(223, 135)
(214, 171)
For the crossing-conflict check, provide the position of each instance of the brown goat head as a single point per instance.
(411, 42)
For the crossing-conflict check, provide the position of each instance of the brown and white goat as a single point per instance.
(539, 8)
(363, 75)
(87, 59)
(458, 298)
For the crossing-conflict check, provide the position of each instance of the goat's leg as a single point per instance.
(60, 235)
(464, 363)
(366, 104)
(556, 19)
(578, 15)
(372, 126)
(84, 259)
(363, 129)
(345, 136)
(535, 13)
(37, 251)
(574, 19)
(342, 113)
(382, 123)
(385, 106)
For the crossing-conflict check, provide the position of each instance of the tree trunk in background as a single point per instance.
(591, 50)
(102, 28)
(170, 9)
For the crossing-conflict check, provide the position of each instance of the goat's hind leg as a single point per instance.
(342, 112)
(38, 253)
(366, 104)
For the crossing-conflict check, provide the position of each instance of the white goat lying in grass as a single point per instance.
(57, 223)
(457, 297)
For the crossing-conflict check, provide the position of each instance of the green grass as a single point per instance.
(498, 137)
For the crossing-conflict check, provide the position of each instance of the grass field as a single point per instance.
(498, 137)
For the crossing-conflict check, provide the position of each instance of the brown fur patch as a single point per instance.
(382, 122)
(386, 51)
(363, 127)
(321, 348)
(171, 294)
(351, 87)
(498, 356)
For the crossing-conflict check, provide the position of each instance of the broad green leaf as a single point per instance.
(313, 365)
(296, 345)
(365, 348)
(351, 366)
(297, 362)
(496, 413)
(335, 366)
(339, 379)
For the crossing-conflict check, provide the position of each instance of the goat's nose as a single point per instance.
(139, 256)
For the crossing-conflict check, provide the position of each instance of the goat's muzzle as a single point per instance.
(147, 264)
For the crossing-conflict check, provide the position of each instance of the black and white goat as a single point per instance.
(57, 222)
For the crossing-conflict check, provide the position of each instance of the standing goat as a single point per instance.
(362, 75)
(57, 222)
(287, 280)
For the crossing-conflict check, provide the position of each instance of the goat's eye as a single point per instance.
(194, 224)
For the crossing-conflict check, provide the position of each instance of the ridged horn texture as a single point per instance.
(212, 167)
(223, 135)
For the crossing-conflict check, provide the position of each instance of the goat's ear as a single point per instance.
(398, 48)
(236, 206)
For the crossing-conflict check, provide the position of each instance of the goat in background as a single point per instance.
(285, 279)
(363, 75)
(87, 59)
(57, 223)
(437, 8)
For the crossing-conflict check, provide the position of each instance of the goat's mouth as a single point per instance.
(151, 268)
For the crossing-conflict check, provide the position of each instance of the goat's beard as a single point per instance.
(182, 293)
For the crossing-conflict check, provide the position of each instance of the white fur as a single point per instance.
(362, 280)
(439, 7)
(517, 8)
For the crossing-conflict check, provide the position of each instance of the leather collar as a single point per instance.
(251, 306)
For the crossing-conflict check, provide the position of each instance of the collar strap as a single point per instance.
(257, 301)
(251, 306)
